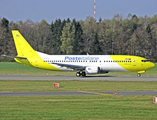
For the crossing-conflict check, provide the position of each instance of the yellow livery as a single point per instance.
(83, 64)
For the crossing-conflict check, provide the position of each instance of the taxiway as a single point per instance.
(78, 93)
(72, 77)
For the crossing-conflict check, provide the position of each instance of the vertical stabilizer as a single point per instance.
(22, 46)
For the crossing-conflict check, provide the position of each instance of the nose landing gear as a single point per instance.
(138, 75)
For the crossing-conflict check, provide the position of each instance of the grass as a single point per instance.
(74, 107)
(77, 107)
(21, 86)
(17, 68)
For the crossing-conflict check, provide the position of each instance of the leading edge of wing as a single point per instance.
(75, 67)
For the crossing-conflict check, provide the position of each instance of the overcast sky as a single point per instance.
(50, 10)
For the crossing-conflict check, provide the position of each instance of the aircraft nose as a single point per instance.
(152, 65)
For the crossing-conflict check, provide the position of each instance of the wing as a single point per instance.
(74, 67)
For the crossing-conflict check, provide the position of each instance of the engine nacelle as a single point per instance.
(92, 70)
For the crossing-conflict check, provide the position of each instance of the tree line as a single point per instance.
(117, 36)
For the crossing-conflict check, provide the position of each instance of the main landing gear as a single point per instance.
(78, 74)
(138, 75)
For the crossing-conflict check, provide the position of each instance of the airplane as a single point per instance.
(83, 64)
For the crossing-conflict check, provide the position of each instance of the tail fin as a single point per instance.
(22, 46)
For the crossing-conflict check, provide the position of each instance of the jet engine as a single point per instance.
(92, 70)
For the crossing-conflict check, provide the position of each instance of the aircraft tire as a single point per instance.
(83, 74)
(78, 74)
(138, 75)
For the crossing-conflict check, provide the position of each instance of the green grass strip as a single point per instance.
(77, 107)
(21, 86)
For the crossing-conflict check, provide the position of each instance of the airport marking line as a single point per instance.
(94, 93)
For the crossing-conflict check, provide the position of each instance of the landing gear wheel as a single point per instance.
(83, 74)
(138, 75)
(78, 74)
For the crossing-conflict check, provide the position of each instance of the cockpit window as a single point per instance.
(145, 60)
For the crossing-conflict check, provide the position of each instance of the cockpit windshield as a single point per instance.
(145, 60)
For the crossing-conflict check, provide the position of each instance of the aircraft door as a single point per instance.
(36, 62)
(134, 61)
(142, 66)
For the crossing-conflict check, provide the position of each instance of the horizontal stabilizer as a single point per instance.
(8, 56)
(14, 56)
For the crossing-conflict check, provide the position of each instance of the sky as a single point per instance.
(50, 10)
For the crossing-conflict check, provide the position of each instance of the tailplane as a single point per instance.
(22, 46)
(25, 53)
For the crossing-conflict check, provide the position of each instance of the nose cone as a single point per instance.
(152, 65)
(149, 65)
